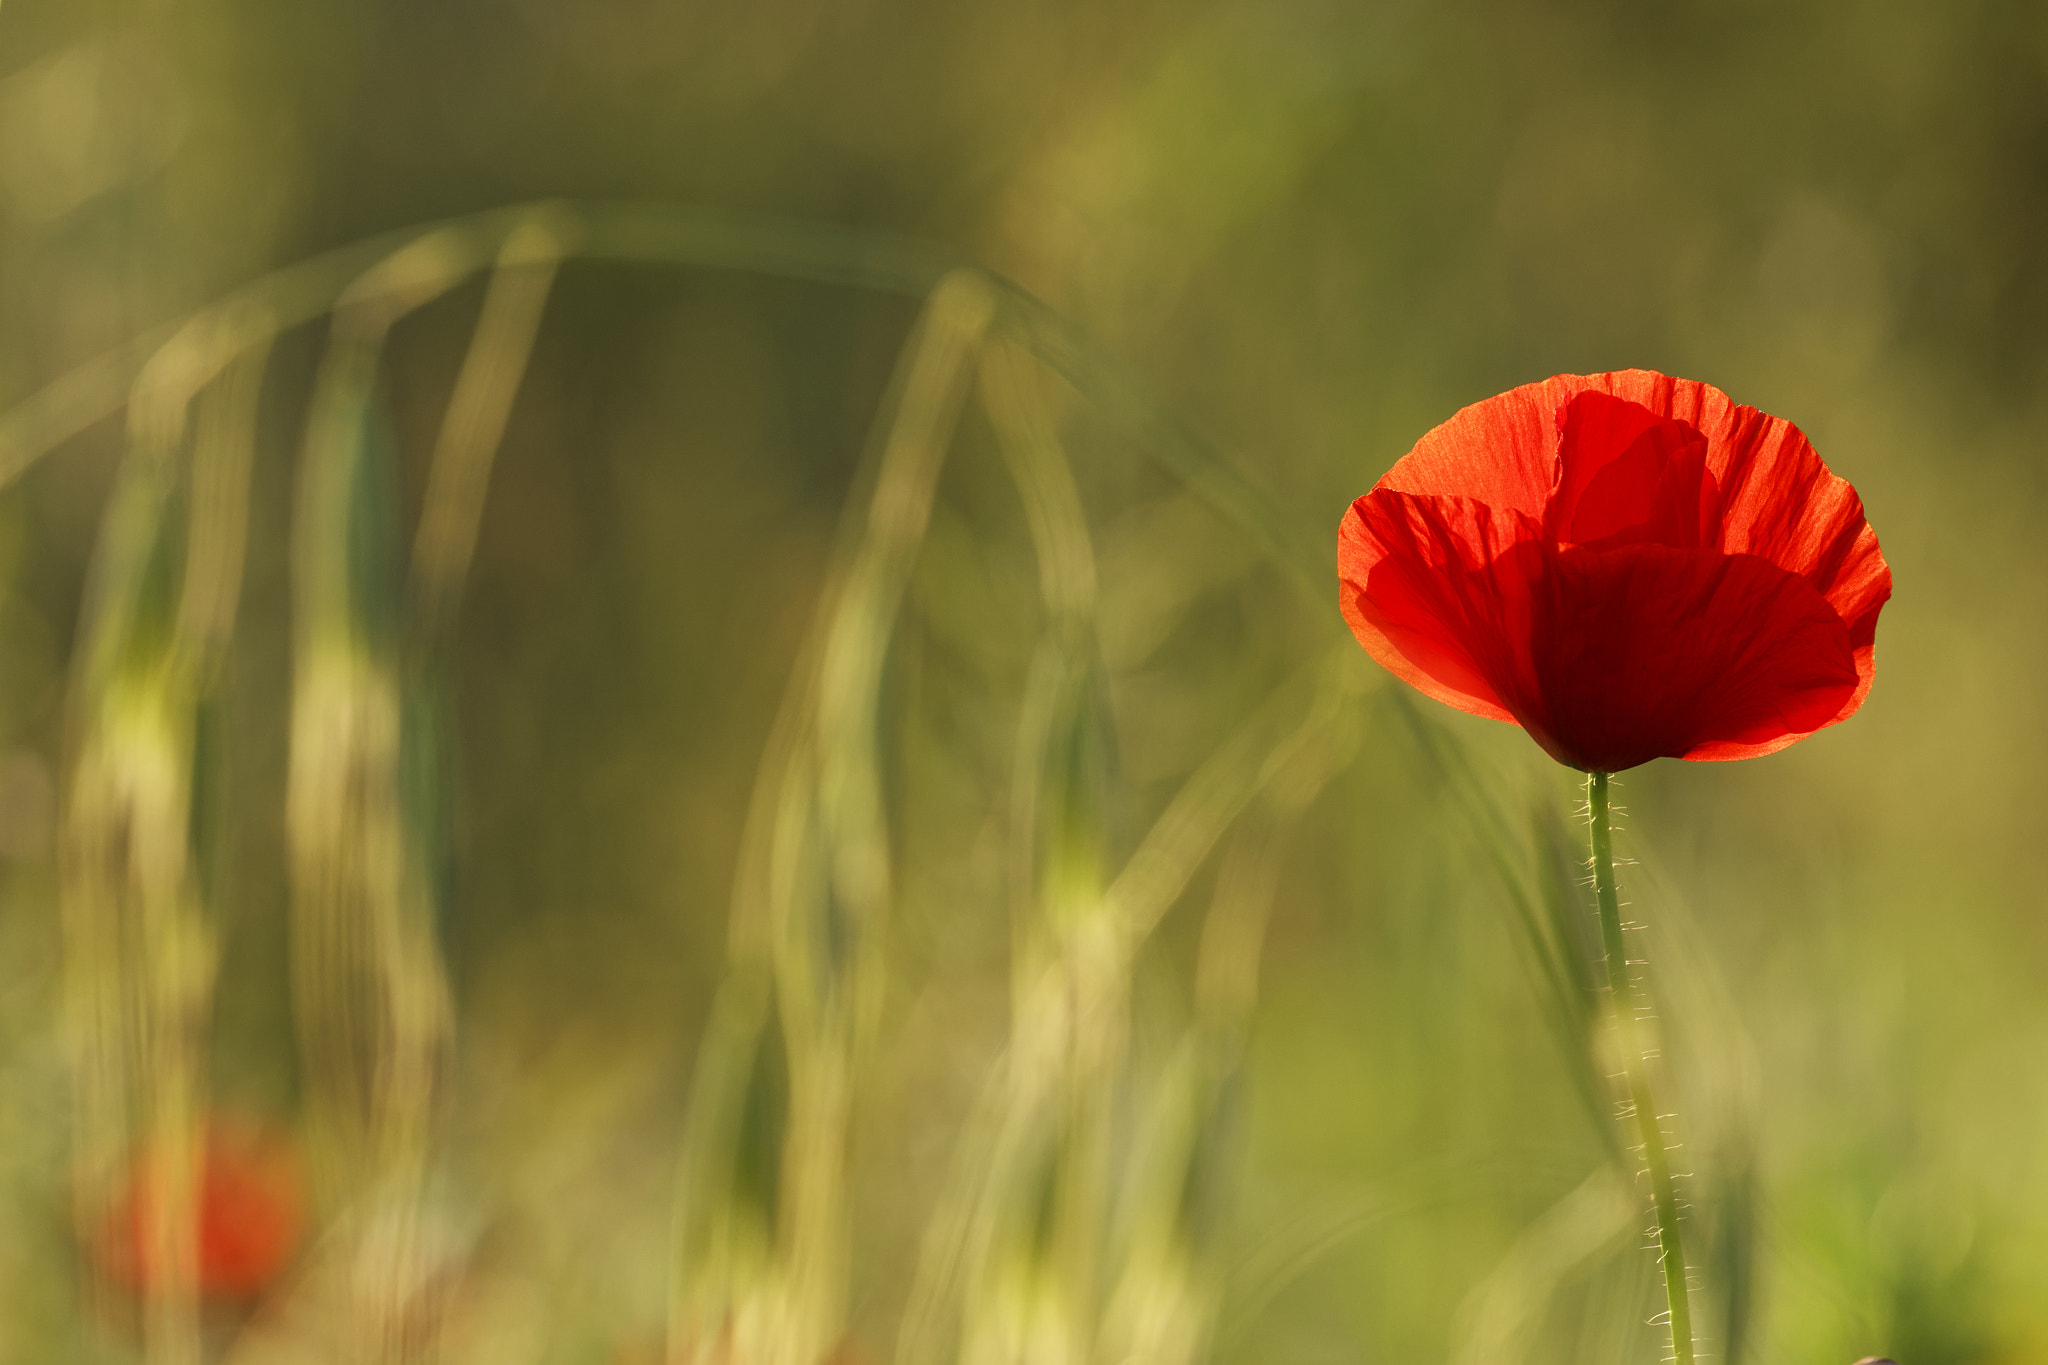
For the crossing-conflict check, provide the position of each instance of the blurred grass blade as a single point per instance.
(1566, 955)
(809, 901)
(1261, 751)
(856, 640)
(139, 941)
(475, 422)
(1059, 816)
(1234, 930)
(369, 989)
(1503, 1312)
(1026, 1228)
(1107, 382)
(1554, 941)
(1045, 485)
(1167, 1298)
(828, 947)
(636, 233)
(224, 450)
(1268, 1263)
(683, 235)
(1161, 1307)
(1034, 1184)
(974, 1249)
(957, 1234)
(1730, 1254)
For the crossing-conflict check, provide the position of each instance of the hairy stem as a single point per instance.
(1636, 1070)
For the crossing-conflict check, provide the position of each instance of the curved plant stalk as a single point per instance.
(1277, 1256)
(683, 235)
(139, 940)
(1502, 1313)
(369, 996)
(1544, 889)
(363, 792)
(1023, 1260)
(1027, 1279)
(1164, 1306)
(762, 1239)
(990, 1248)
(474, 425)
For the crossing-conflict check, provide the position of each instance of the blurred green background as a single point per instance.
(1310, 230)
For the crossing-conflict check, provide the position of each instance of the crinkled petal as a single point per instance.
(1645, 651)
(1627, 474)
(1416, 585)
(1779, 501)
(1501, 452)
(1775, 498)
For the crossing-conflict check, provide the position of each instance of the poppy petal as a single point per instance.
(1775, 497)
(1501, 452)
(1625, 473)
(1645, 651)
(1416, 587)
(1778, 499)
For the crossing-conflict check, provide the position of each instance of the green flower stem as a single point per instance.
(1636, 1069)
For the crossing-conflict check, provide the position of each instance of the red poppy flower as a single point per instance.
(1626, 565)
(249, 1214)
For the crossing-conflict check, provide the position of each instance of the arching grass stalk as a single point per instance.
(1636, 1071)
(440, 255)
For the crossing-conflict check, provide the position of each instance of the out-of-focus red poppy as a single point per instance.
(249, 1210)
(1626, 565)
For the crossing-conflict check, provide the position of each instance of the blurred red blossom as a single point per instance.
(1626, 565)
(249, 1210)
